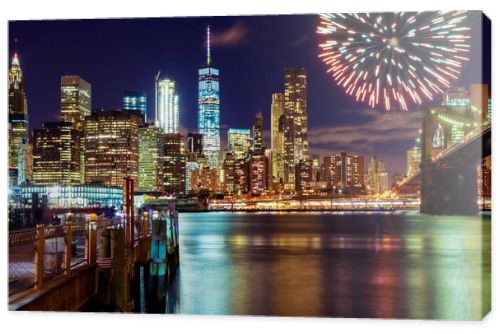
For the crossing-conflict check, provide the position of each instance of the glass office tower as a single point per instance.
(209, 109)
(133, 100)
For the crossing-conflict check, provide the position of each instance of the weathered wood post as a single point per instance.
(39, 254)
(104, 276)
(119, 271)
(68, 239)
(92, 241)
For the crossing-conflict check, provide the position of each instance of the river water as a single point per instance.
(363, 265)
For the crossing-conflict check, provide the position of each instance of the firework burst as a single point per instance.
(394, 59)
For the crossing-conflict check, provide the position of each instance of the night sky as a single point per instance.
(251, 52)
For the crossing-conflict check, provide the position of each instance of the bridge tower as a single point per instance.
(448, 186)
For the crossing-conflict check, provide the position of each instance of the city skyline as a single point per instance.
(236, 51)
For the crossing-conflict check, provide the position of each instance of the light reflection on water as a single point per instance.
(400, 265)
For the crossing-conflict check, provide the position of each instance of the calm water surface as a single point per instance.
(387, 265)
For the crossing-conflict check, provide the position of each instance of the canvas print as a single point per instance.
(329, 165)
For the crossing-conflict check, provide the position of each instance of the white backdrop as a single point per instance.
(115, 323)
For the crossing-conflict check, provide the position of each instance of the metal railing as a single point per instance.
(43, 253)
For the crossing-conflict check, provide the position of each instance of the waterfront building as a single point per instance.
(344, 173)
(166, 105)
(56, 154)
(229, 173)
(277, 131)
(258, 166)
(18, 114)
(204, 180)
(174, 164)
(295, 144)
(239, 142)
(303, 175)
(74, 196)
(151, 157)
(136, 101)
(112, 147)
(76, 100)
(377, 177)
(241, 176)
(209, 108)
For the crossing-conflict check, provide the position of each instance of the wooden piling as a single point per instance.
(68, 239)
(39, 254)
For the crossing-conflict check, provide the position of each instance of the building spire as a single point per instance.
(209, 59)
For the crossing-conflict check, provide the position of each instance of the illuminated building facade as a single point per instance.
(413, 160)
(258, 146)
(76, 100)
(344, 173)
(112, 147)
(241, 176)
(18, 113)
(167, 105)
(75, 196)
(137, 101)
(209, 108)
(25, 164)
(56, 154)
(151, 155)
(258, 174)
(239, 142)
(377, 177)
(303, 174)
(295, 144)
(190, 166)
(229, 173)
(174, 163)
(277, 128)
(204, 179)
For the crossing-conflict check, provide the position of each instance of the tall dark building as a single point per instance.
(344, 173)
(258, 134)
(295, 145)
(195, 142)
(174, 163)
(18, 113)
(137, 101)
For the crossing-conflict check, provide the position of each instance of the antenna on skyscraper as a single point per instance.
(209, 59)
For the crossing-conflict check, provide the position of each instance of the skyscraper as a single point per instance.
(76, 100)
(56, 154)
(377, 178)
(413, 160)
(344, 173)
(258, 174)
(258, 135)
(112, 146)
(137, 101)
(195, 142)
(167, 105)
(209, 108)
(18, 112)
(151, 155)
(277, 127)
(295, 122)
(174, 165)
(238, 141)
